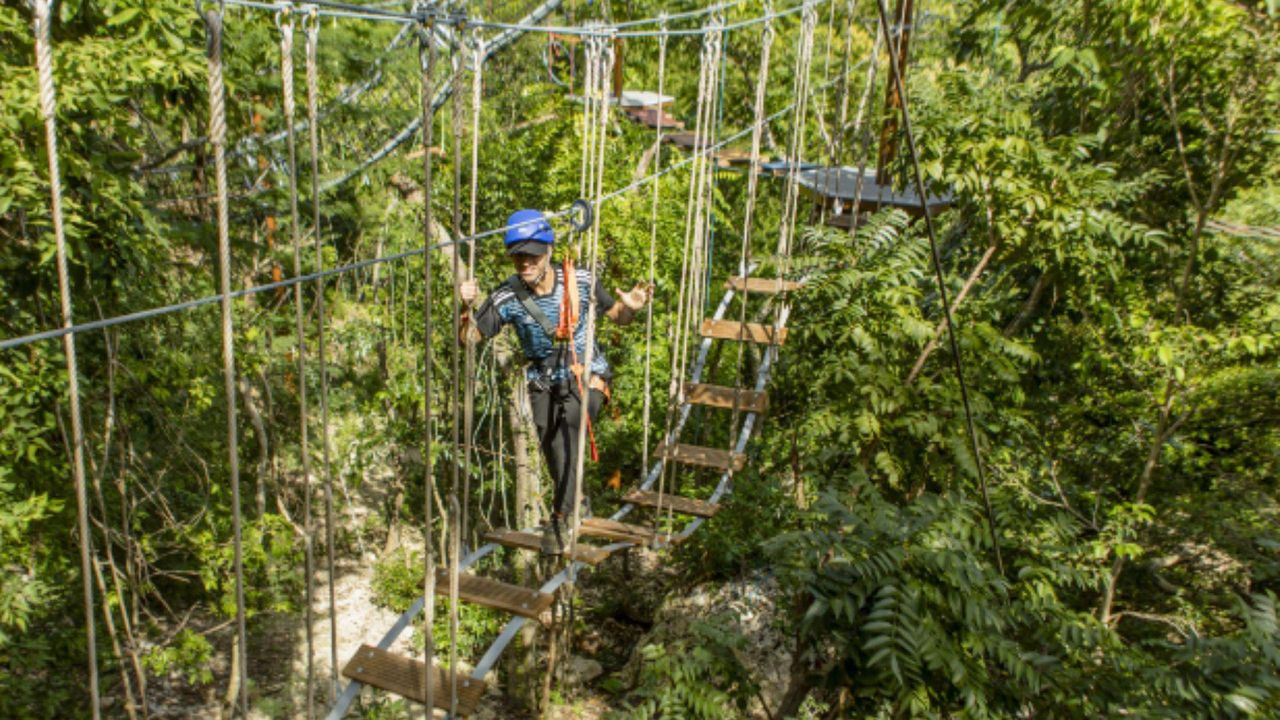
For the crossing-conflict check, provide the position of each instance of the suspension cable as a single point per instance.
(427, 66)
(311, 28)
(48, 109)
(957, 360)
(218, 137)
(284, 22)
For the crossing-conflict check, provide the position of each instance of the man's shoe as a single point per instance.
(551, 538)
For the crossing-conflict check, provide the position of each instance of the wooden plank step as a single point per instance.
(751, 332)
(724, 397)
(703, 456)
(686, 139)
(406, 677)
(678, 503)
(588, 554)
(762, 285)
(496, 594)
(622, 532)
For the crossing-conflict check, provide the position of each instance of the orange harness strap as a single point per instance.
(569, 303)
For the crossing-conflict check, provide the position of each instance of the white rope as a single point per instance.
(653, 245)
(311, 27)
(691, 275)
(218, 137)
(804, 59)
(753, 181)
(427, 66)
(48, 110)
(285, 24)
(858, 134)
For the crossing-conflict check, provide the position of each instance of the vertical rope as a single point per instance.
(218, 136)
(692, 276)
(604, 52)
(753, 182)
(858, 132)
(461, 452)
(284, 21)
(427, 48)
(804, 59)
(653, 256)
(48, 110)
(468, 414)
(311, 26)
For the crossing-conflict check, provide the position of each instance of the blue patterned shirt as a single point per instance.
(503, 307)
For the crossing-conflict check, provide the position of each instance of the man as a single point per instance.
(533, 301)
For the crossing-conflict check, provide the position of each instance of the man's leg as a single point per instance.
(572, 426)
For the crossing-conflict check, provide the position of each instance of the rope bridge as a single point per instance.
(398, 111)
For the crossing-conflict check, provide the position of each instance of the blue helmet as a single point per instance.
(528, 233)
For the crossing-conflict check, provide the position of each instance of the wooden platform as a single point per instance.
(407, 677)
(724, 397)
(652, 117)
(729, 158)
(840, 185)
(496, 594)
(751, 332)
(702, 456)
(588, 554)
(677, 503)
(762, 285)
(622, 532)
(687, 139)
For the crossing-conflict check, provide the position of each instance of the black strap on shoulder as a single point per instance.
(526, 299)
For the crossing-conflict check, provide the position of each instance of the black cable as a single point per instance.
(942, 286)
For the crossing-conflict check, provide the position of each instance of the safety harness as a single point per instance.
(562, 332)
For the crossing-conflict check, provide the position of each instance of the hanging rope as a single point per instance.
(691, 275)
(600, 54)
(284, 22)
(218, 137)
(957, 359)
(858, 133)
(427, 56)
(653, 257)
(804, 60)
(49, 110)
(468, 414)
(461, 445)
(753, 181)
(311, 28)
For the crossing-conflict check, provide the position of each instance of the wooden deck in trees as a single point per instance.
(751, 332)
(720, 396)
(677, 503)
(496, 594)
(702, 456)
(840, 186)
(407, 677)
(588, 554)
(618, 531)
(762, 285)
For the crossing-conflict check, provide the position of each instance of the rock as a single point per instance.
(582, 670)
(746, 607)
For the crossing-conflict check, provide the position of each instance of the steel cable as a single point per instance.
(42, 13)
(958, 361)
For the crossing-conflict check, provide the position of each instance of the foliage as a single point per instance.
(701, 678)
